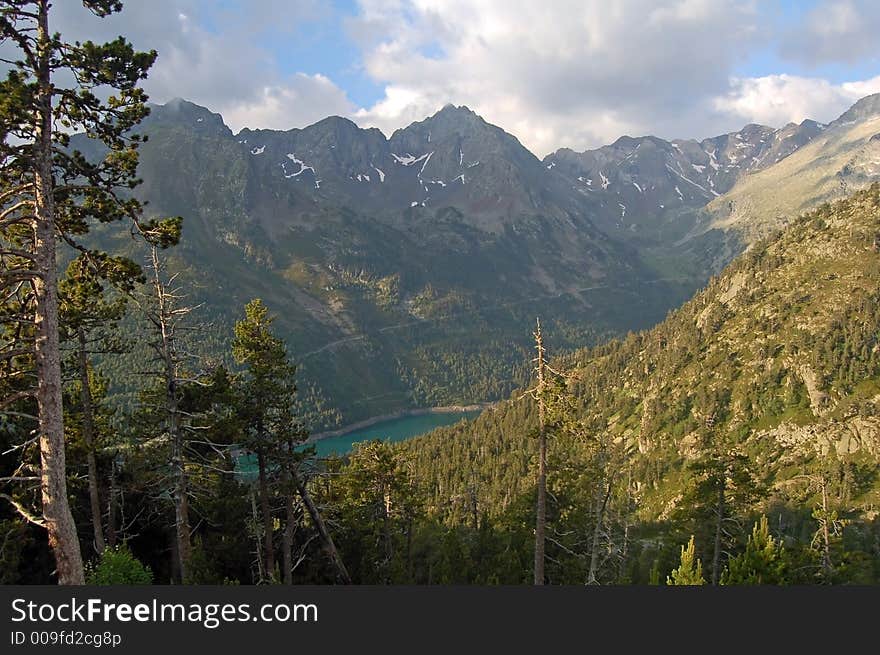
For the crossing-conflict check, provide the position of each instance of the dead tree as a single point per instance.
(165, 314)
(539, 394)
(321, 526)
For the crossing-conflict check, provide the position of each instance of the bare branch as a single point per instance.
(9, 400)
(23, 511)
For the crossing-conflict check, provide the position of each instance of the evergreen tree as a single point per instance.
(265, 395)
(689, 571)
(266, 403)
(378, 501)
(49, 193)
(88, 319)
(764, 560)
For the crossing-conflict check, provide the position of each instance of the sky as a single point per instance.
(557, 73)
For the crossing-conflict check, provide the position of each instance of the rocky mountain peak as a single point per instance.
(868, 107)
(188, 115)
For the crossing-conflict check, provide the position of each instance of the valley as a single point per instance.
(411, 266)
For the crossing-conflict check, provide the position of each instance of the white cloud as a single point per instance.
(301, 100)
(213, 56)
(580, 73)
(573, 72)
(835, 31)
(576, 73)
(780, 99)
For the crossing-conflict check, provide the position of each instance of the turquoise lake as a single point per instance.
(392, 430)
(397, 429)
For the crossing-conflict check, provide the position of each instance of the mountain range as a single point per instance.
(407, 271)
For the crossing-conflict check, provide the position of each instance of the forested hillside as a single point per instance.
(759, 395)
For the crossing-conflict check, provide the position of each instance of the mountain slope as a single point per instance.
(403, 271)
(846, 157)
(782, 351)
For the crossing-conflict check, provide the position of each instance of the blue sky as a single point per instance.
(324, 46)
(576, 73)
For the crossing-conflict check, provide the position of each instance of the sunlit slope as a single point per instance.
(845, 158)
(782, 350)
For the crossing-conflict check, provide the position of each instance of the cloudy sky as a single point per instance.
(576, 73)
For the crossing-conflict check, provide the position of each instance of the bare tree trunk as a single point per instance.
(268, 548)
(287, 535)
(260, 574)
(624, 518)
(88, 428)
(475, 516)
(111, 507)
(386, 531)
(827, 567)
(716, 554)
(59, 521)
(181, 505)
(541, 509)
(180, 490)
(597, 533)
(318, 520)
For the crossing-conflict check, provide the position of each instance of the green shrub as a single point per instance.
(117, 566)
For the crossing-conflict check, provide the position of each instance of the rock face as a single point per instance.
(857, 434)
(842, 158)
(645, 189)
(453, 159)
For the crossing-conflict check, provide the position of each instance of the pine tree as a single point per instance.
(689, 571)
(88, 319)
(540, 395)
(266, 402)
(764, 560)
(167, 315)
(266, 392)
(49, 193)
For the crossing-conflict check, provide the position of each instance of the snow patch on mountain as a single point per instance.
(427, 159)
(303, 167)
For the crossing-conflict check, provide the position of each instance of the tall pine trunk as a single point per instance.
(181, 500)
(88, 428)
(59, 522)
(111, 507)
(827, 567)
(602, 505)
(180, 490)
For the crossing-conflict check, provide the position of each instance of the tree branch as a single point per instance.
(23, 511)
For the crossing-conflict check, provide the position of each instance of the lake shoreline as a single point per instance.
(373, 420)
